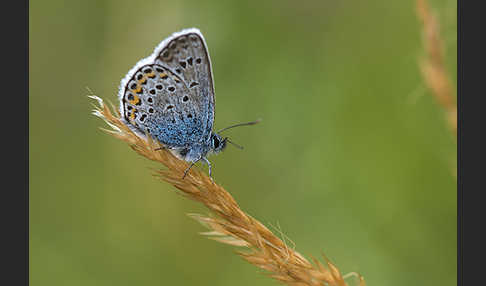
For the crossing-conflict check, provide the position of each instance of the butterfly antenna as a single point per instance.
(239, 124)
(234, 144)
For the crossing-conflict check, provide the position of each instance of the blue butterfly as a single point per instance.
(170, 96)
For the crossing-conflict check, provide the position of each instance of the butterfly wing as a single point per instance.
(185, 54)
(170, 94)
(156, 101)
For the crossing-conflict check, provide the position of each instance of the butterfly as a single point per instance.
(170, 96)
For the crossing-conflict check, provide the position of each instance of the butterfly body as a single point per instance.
(170, 96)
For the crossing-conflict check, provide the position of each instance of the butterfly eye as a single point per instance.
(215, 142)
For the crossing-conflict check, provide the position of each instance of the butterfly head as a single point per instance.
(218, 143)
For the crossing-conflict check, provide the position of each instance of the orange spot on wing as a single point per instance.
(143, 80)
(134, 101)
(151, 75)
(139, 89)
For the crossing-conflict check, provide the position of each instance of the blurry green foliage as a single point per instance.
(353, 157)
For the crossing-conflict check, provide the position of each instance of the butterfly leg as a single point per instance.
(209, 166)
(190, 166)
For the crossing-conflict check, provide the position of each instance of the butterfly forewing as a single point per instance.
(187, 56)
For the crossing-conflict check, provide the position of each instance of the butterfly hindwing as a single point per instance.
(158, 102)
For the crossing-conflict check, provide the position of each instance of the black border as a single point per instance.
(471, 142)
(15, 134)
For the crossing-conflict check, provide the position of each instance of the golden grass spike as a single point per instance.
(230, 224)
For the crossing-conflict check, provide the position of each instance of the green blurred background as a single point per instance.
(353, 157)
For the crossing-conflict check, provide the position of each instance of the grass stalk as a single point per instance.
(228, 223)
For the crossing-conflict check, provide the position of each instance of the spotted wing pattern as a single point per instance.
(157, 101)
(170, 94)
(186, 55)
